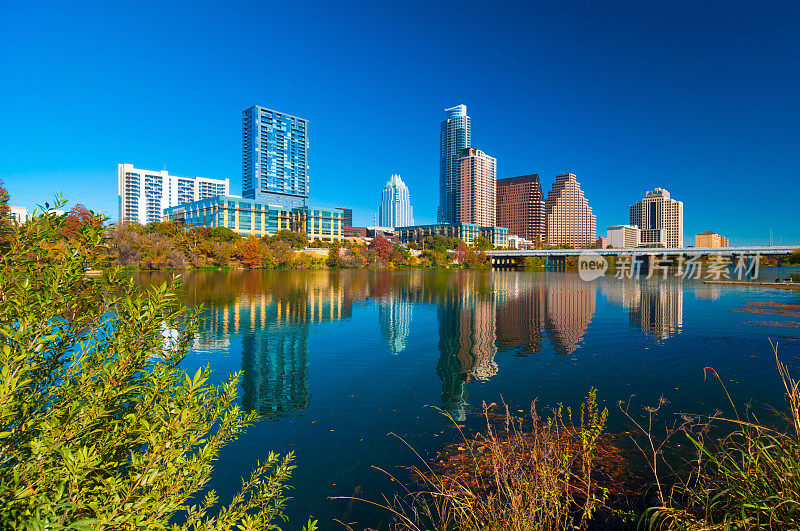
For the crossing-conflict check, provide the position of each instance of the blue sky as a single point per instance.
(700, 98)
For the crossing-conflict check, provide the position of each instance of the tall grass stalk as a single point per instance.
(750, 479)
(513, 477)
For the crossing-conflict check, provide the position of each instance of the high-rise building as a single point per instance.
(660, 218)
(520, 207)
(347, 216)
(274, 157)
(710, 239)
(144, 194)
(477, 187)
(395, 208)
(568, 216)
(623, 236)
(454, 136)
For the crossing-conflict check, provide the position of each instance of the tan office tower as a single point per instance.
(660, 218)
(520, 207)
(477, 187)
(568, 216)
(710, 239)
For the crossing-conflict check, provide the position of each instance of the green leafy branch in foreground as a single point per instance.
(100, 428)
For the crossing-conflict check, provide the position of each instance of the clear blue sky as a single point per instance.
(701, 98)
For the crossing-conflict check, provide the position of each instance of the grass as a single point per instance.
(552, 473)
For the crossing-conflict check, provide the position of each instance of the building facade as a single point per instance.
(454, 136)
(258, 218)
(477, 187)
(623, 236)
(569, 220)
(395, 208)
(20, 214)
(467, 232)
(710, 239)
(347, 216)
(520, 207)
(275, 157)
(660, 219)
(144, 194)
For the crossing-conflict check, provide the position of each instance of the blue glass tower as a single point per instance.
(455, 136)
(274, 157)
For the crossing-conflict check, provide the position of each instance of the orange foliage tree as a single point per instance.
(251, 252)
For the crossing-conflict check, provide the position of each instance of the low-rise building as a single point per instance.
(623, 236)
(20, 214)
(258, 218)
(518, 242)
(467, 232)
(710, 239)
(601, 243)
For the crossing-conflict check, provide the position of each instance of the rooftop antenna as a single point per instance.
(770, 233)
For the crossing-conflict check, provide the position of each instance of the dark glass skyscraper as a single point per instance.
(274, 157)
(455, 136)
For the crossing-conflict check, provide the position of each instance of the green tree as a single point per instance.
(482, 244)
(793, 258)
(334, 255)
(298, 240)
(223, 234)
(100, 428)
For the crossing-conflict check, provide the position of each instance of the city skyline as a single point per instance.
(655, 114)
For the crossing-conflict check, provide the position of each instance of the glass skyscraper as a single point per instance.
(395, 208)
(274, 157)
(455, 136)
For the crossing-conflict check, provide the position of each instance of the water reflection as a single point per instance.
(656, 307)
(272, 313)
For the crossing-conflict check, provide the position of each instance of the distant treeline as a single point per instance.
(166, 245)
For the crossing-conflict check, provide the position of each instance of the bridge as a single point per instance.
(556, 258)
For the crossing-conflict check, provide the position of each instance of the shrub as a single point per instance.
(100, 428)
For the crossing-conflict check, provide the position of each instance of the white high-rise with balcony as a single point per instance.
(144, 194)
(395, 208)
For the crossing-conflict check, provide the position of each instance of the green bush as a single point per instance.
(100, 427)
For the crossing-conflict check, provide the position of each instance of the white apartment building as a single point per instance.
(660, 219)
(144, 194)
(20, 214)
(623, 236)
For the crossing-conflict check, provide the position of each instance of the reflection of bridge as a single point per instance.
(556, 258)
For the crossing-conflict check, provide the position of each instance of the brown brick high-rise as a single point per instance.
(520, 207)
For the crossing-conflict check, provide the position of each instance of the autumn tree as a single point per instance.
(382, 248)
(250, 251)
(5, 219)
(79, 216)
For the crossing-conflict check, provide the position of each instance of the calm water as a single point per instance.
(334, 361)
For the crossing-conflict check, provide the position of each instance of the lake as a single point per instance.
(334, 361)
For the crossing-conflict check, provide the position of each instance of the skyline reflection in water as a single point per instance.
(334, 360)
(477, 313)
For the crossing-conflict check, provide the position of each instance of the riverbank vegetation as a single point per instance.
(100, 428)
(739, 472)
(170, 246)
